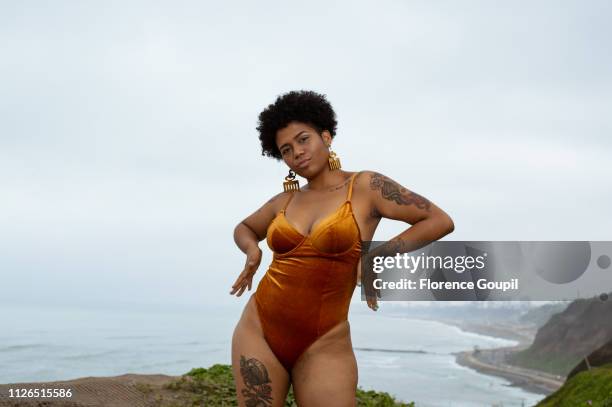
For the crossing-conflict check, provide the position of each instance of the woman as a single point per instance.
(294, 328)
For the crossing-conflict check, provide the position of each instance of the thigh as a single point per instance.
(261, 380)
(326, 375)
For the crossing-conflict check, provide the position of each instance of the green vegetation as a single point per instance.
(591, 388)
(557, 364)
(215, 387)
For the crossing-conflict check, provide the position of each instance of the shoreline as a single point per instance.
(493, 361)
(135, 390)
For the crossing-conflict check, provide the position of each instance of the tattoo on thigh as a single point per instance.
(258, 391)
(393, 191)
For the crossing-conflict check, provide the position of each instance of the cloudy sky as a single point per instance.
(128, 149)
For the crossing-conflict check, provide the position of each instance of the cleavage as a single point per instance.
(315, 225)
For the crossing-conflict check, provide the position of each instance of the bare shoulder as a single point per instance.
(259, 220)
(364, 178)
(376, 185)
(277, 202)
(374, 181)
(361, 185)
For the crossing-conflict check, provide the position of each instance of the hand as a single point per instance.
(370, 296)
(245, 279)
(359, 273)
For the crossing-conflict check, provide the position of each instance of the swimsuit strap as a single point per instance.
(350, 191)
(288, 200)
(348, 197)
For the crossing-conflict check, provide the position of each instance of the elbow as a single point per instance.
(235, 235)
(442, 225)
(449, 225)
(242, 227)
(237, 231)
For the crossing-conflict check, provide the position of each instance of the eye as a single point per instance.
(303, 139)
(284, 151)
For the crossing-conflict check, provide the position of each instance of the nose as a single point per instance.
(298, 152)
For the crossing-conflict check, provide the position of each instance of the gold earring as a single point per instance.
(291, 184)
(333, 160)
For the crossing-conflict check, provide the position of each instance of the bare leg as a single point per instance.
(261, 380)
(326, 374)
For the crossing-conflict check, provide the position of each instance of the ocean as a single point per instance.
(409, 358)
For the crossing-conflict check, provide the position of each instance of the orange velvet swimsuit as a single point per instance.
(309, 284)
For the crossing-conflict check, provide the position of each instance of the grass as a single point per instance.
(214, 386)
(591, 388)
(554, 364)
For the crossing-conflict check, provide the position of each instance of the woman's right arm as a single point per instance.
(247, 235)
(252, 230)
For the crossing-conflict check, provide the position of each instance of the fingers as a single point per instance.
(371, 293)
(241, 285)
(236, 283)
(241, 282)
(244, 286)
(245, 279)
(372, 303)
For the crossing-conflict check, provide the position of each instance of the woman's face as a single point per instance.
(303, 149)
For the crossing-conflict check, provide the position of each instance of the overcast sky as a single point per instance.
(128, 149)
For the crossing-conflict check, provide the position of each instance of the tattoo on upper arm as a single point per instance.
(393, 191)
(258, 390)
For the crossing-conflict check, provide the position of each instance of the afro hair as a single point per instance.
(302, 106)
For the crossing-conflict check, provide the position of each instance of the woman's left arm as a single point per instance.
(393, 201)
(388, 199)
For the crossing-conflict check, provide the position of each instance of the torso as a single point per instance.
(315, 206)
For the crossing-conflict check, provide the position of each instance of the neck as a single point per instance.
(326, 179)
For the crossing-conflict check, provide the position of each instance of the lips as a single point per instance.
(303, 163)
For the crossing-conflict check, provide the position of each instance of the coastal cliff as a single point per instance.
(562, 342)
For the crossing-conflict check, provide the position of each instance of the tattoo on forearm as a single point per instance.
(258, 389)
(398, 244)
(392, 191)
(394, 246)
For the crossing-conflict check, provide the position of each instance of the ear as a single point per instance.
(326, 136)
